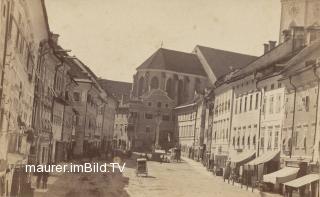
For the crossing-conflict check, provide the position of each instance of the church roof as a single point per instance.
(166, 59)
(223, 62)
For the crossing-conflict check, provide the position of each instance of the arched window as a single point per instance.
(248, 142)
(169, 88)
(140, 86)
(180, 92)
(154, 83)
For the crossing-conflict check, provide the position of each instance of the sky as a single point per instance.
(114, 37)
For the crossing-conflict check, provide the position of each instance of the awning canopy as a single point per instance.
(281, 176)
(242, 158)
(272, 155)
(296, 183)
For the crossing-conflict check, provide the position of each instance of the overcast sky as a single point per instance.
(113, 37)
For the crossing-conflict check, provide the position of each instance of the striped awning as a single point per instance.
(299, 182)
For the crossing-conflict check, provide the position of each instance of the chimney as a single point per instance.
(272, 45)
(266, 47)
(55, 37)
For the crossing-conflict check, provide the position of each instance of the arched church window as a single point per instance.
(154, 83)
(140, 86)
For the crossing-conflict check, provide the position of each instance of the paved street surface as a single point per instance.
(166, 179)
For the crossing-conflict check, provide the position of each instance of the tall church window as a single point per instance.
(154, 83)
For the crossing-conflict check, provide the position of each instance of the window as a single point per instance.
(306, 101)
(229, 105)
(271, 105)
(148, 116)
(89, 98)
(272, 86)
(250, 104)
(243, 139)
(264, 105)
(167, 105)
(257, 101)
(278, 108)
(269, 140)
(245, 104)
(240, 109)
(279, 85)
(236, 107)
(149, 104)
(165, 117)
(159, 104)
(148, 129)
(276, 139)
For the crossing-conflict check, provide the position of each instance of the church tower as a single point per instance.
(302, 13)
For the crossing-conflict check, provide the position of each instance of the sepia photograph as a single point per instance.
(159, 98)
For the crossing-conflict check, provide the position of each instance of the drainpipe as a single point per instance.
(293, 115)
(195, 128)
(260, 112)
(317, 102)
(231, 116)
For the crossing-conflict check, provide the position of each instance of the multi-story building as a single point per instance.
(186, 127)
(121, 91)
(300, 128)
(23, 28)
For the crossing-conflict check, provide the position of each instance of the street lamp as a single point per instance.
(158, 122)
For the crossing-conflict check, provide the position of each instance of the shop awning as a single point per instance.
(242, 158)
(296, 183)
(264, 158)
(281, 176)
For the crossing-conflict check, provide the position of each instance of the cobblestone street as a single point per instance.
(188, 178)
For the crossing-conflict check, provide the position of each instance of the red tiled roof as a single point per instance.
(165, 59)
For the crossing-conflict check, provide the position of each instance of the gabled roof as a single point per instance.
(223, 62)
(165, 59)
(117, 89)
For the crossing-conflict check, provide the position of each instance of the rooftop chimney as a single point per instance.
(55, 37)
(272, 45)
(266, 47)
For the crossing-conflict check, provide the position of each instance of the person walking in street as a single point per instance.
(45, 177)
(39, 176)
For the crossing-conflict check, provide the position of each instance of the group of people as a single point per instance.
(42, 179)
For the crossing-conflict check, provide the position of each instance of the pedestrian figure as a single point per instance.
(178, 154)
(45, 176)
(39, 176)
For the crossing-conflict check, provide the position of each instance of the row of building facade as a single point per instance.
(223, 106)
(53, 107)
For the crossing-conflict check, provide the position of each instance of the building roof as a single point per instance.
(166, 59)
(309, 53)
(118, 89)
(223, 62)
